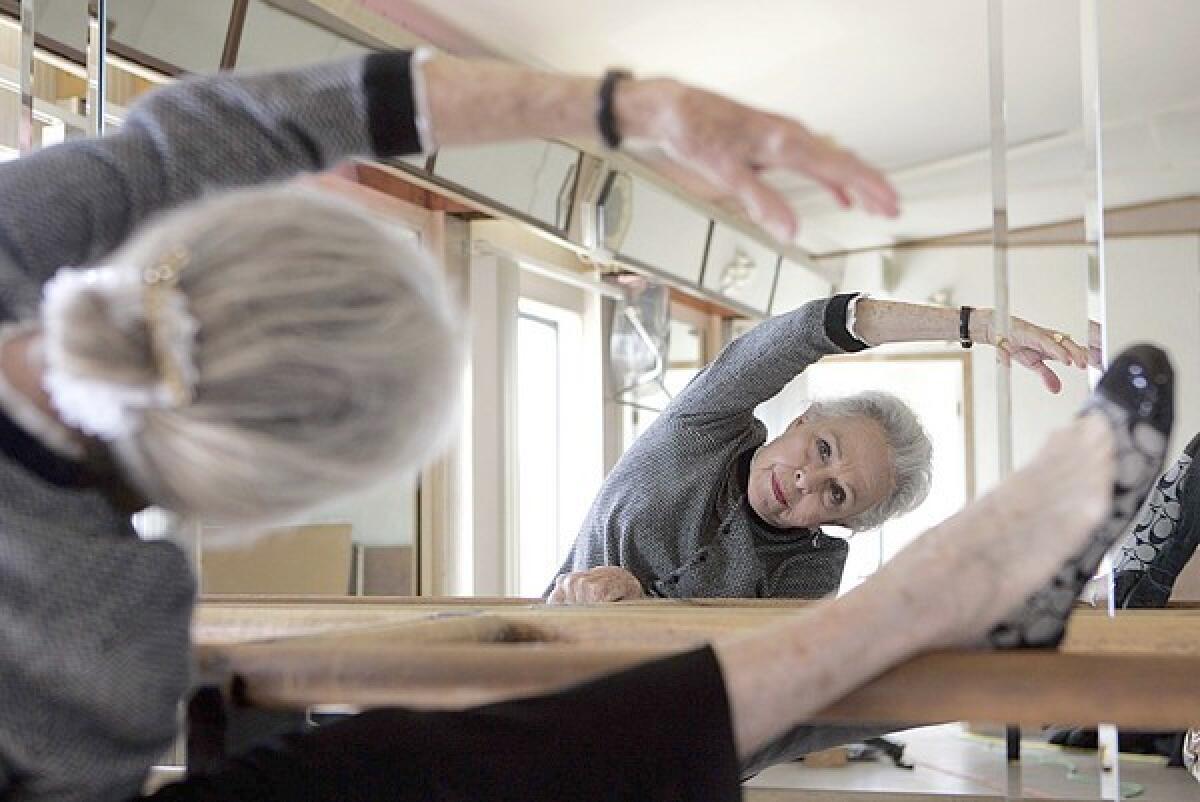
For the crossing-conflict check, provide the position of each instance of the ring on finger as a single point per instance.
(1003, 343)
(1059, 338)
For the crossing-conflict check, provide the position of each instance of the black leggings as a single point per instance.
(660, 731)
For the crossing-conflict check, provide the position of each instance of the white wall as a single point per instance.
(1153, 295)
(1048, 287)
(382, 515)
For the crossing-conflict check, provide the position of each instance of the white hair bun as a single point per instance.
(79, 308)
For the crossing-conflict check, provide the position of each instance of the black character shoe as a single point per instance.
(1136, 395)
(1164, 538)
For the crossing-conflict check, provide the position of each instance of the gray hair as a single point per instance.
(326, 351)
(909, 448)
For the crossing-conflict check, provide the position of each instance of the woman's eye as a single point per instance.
(823, 448)
(838, 494)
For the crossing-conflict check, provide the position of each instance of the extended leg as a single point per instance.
(1136, 398)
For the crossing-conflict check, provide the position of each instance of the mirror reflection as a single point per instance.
(939, 253)
(1149, 179)
(664, 404)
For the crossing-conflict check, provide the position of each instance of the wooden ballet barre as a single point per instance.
(682, 622)
(1138, 670)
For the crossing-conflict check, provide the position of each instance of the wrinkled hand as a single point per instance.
(729, 145)
(606, 583)
(1033, 346)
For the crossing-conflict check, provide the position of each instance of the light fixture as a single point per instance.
(737, 272)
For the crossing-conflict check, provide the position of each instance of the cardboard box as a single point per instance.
(314, 559)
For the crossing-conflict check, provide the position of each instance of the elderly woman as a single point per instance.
(252, 353)
(702, 505)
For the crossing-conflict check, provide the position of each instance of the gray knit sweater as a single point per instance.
(673, 511)
(94, 622)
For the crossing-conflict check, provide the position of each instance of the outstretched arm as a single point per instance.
(879, 322)
(718, 143)
(756, 366)
(75, 202)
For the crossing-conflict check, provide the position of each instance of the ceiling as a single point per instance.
(906, 85)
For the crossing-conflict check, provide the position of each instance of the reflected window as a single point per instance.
(559, 422)
(538, 447)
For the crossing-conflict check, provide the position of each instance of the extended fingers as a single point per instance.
(1036, 361)
(729, 144)
(574, 587)
(789, 145)
(839, 194)
(761, 203)
(1064, 349)
(1049, 377)
(1078, 353)
(873, 189)
(1054, 349)
(586, 587)
(1053, 344)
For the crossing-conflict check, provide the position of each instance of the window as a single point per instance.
(539, 434)
(560, 428)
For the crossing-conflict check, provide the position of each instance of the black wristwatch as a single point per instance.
(964, 327)
(606, 118)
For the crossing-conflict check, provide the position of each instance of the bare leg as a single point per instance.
(977, 568)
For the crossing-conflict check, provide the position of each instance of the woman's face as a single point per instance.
(820, 471)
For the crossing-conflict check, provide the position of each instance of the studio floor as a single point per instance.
(950, 760)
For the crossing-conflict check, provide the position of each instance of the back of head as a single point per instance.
(303, 348)
(911, 452)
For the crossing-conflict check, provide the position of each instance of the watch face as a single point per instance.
(616, 210)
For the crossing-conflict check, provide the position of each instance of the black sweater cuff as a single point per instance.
(835, 323)
(391, 105)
